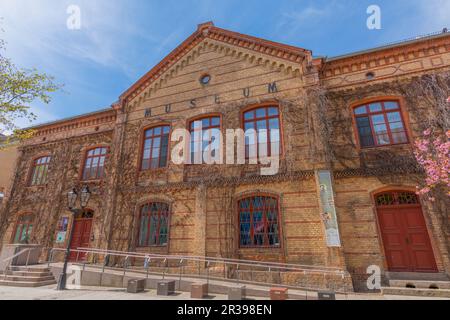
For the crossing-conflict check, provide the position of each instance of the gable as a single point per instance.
(209, 38)
(235, 73)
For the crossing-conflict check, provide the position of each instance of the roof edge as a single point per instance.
(68, 119)
(436, 35)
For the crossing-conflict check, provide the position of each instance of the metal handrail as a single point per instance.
(238, 269)
(9, 259)
(236, 263)
(17, 254)
(274, 265)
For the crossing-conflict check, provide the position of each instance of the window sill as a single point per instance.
(150, 247)
(261, 248)
(387, 146)
(96, 181)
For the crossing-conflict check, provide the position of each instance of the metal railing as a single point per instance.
(18, 254)
(210, 268)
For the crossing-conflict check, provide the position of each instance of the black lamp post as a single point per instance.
(72, 197)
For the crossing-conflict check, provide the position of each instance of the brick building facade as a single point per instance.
(354, 116)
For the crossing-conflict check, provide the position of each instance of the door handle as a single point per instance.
(407, 241)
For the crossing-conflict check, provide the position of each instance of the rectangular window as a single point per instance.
(40, 171)
(154, 225)
(94, 165)
(258, 219)
(24, 228)
(380, 124)
(266, 140)
(155, 148)
(205, 139)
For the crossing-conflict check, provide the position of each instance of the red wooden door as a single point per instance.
(405, 236)
(81, 238)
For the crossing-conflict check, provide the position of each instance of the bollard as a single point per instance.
(236, 293)
(199, 290)
(165, 288)
(278, 294)
(136, 286)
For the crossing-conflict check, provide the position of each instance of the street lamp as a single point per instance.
(72, 197)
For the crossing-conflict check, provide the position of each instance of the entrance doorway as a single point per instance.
(405, 236)
(81, 235)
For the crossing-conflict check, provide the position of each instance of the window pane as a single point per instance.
(260, 113)
(215, 121)
(261, 125)
(365, 132)
(274, 123)
(391, 105)
(273, 111)
(394, 117)
(149, 133)
(361, 110)
(249, 115)
(399, 137)
(375, 107)
(378, 119)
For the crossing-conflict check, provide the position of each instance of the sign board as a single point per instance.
(61, 237)
(328, 208)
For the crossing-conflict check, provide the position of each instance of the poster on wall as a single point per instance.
(328, 208)
(62, 230)
(61, 237)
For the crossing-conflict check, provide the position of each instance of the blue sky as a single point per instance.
(120, 40)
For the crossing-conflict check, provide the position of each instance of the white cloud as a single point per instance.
(295, 22)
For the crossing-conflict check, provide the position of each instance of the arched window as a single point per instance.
(94, 164)
(258, 220)
(40, 171)
(380, 123)
(153, 224)
(396, 198)
(266, 140)
(205, 137)
(23, 229)
(155, 148)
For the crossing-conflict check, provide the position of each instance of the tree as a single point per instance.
(433, 154)
(18, 89)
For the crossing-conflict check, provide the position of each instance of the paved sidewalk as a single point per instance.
(101, 293)
(88, 293)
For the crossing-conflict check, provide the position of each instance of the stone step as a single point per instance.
(27, 284)
(29, 269)
(420, 284)
(431, 293)
(417, 276)
(27, 278)
(27, 273)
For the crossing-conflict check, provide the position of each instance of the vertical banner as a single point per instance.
(328, 208)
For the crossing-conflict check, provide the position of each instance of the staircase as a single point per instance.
(418, 285)
(27, 277)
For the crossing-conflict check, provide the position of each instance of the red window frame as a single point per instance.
(24, 222)
(39, 172)
(269, 228)
(209, 126)
(159, 213)
(94, 164)
(371, 125)
(152, 136)
(267, 118)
